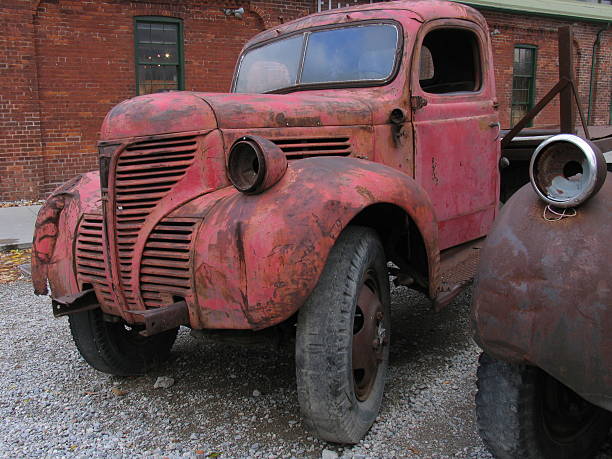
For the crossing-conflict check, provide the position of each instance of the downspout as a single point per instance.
(596, 44)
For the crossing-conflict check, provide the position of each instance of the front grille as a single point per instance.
(90, 264)
(306, 148)
(146, 171)
(165, 268)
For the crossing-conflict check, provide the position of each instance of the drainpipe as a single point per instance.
(596, 44)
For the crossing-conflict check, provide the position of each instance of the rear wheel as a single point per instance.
(116, 347)
(523, 412)
(342, 343)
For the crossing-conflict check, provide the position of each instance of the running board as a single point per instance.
(457, 269)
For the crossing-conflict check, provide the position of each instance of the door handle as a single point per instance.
(498, 126)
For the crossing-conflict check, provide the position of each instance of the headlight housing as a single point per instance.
(566, 170)
(255, 164)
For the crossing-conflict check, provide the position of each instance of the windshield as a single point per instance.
(348, 54)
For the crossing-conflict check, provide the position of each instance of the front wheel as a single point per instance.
(118, 348)
(523, 412)
(342, 343)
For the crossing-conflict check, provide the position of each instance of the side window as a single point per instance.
(159, 54)
(450, 62)
(523, 81)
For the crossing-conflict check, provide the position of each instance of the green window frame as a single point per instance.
(158, 51)
(523, 81)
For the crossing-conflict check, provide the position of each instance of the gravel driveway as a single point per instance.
(227, 401)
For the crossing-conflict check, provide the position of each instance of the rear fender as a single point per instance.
(257, 258)
(55, 233)
(543, 289)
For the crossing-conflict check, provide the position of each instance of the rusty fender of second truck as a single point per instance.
(543, 292)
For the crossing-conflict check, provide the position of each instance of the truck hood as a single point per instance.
(236, 111)
(184, 111)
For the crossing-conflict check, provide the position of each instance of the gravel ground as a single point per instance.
(227, 401)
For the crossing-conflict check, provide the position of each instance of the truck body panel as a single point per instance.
(542, 294)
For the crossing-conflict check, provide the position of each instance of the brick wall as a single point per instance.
(542, 33)
(65, 63)
(21, 164)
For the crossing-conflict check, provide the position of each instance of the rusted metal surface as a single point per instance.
(369, 341)
(257, 258)
(54, 235)
(162, 319)
(168, 227)
(542, 293)
(79, 302)
(458, 151)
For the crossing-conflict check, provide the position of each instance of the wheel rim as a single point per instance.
(565, 414)
(369, 337)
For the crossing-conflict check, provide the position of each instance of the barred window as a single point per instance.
(159, 54)
(523, 81)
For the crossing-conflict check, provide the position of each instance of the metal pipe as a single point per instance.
(596, 44)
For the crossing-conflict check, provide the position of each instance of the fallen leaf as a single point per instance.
(118, 392)
(215, 454)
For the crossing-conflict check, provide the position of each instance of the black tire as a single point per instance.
(116, 348)
(340, 402)
(522, 412)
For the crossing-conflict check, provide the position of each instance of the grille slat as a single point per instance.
(305, 148)
(146, 172)
(90, 263)
(165, 269)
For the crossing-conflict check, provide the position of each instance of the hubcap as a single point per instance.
(369, 338)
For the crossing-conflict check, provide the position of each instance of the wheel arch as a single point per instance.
(258, 258)
(400, 235)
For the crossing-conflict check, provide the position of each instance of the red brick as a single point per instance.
(65, 64)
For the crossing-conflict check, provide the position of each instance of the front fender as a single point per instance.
(55, 232)
(257, 258)
(543, 292)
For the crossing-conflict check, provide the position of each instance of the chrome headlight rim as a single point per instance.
(595, 170)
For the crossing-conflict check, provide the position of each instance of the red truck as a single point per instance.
(354, 143)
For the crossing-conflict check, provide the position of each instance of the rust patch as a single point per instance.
(367, 194)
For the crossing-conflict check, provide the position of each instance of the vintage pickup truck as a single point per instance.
(354, 143)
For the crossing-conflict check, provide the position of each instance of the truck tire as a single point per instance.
(342, 342)
(522, 412)
(115, 348)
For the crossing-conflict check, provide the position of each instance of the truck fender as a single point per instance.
(543, 288)
(55, 233)
(257, 258)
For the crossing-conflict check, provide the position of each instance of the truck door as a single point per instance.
(456, 128)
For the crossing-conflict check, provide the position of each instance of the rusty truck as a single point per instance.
(353, 144)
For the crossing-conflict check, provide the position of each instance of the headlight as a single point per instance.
(255, 164)
(566, 170)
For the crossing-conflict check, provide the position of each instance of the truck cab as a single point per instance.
(351, 141)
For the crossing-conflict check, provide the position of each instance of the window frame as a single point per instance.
(399, 53)
(532, 92)
(485, 64)
(180, 46)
